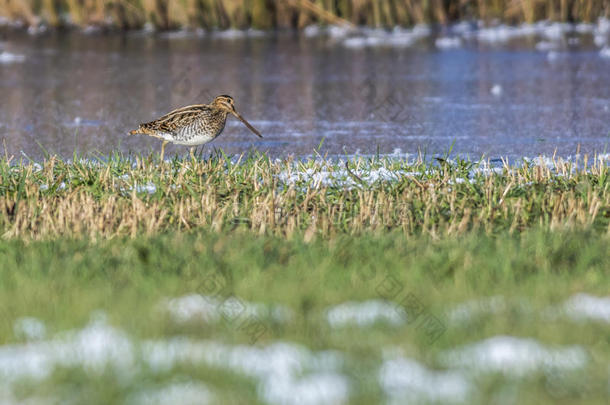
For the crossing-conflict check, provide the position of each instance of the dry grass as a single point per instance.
(316, 198)
(165, 14)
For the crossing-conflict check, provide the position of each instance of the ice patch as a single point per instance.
(398, 38)
(552, 56)
(603, 26)
(515, 357)
(448, 42)
(555, 31)
(366, 313)
(8, 58)
(195, 307)
(584, 306)
(238, 34)
(545, 46)
(496, 90)
(405, 381)
(584, 28)
(312, 30)
(600, 40)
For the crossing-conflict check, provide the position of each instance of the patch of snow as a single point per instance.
(605, 52)
(29, 328)
(282, 370)
(515, 357)
(45, 187)
(285, 373)
(94, 348)
(588, 307)
(182, 393)
(340, 177)
(149, 188)
(210, 309)
(405, 381)
(365, 313)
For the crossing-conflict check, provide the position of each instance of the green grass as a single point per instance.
(319, 198)
(63, 282)
(84, 245)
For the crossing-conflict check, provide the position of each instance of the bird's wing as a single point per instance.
(176, 119)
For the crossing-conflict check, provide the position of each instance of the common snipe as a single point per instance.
(194, 124)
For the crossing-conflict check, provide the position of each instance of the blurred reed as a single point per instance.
(267, 14)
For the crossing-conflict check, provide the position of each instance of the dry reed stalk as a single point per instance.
(319, 12)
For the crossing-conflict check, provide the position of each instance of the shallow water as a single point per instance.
(76, 92)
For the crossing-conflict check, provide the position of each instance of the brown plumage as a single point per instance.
(194, 124)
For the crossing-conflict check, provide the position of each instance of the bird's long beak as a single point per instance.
(246, 123)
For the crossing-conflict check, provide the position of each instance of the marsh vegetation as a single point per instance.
(266, 14)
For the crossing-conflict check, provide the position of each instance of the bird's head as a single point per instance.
(226, 103)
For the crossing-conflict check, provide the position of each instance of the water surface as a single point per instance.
(76, 92)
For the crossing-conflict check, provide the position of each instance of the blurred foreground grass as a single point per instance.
(66, 282)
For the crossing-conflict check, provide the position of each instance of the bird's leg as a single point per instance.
(163, 149)
(192, 152)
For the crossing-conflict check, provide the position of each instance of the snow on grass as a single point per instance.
(196, 307)
(286, 373)
(514, 357)
(588, 307)
(182, 393)
(405, 381)
(340, 177)
(94, 348)
(29, 328)
(366, 313)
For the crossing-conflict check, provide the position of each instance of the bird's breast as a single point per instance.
(201, 130)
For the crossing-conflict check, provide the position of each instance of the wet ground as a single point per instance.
(63, 93)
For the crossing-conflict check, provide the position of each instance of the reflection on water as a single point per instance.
(83, 93)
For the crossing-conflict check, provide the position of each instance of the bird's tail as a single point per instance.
(144, 130)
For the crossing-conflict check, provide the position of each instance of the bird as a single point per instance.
(193, 125)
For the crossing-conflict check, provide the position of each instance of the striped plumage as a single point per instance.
(194, 124)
